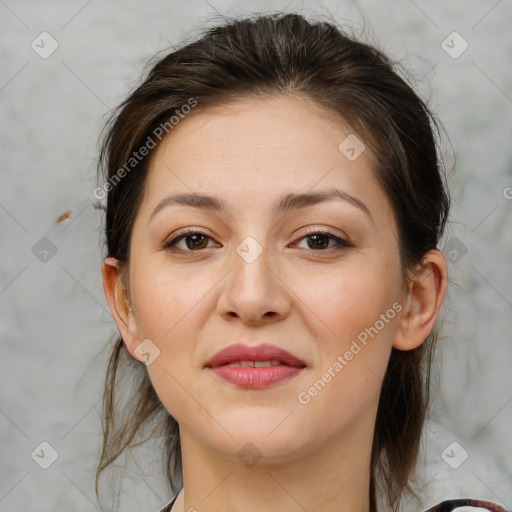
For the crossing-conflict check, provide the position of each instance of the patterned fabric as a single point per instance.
(466, 505)
(463, 505)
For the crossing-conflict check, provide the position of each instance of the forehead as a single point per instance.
(250, 152)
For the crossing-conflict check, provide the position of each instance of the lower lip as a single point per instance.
(255, 377)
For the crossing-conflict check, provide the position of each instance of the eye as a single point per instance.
(193, 241)
(320, 240)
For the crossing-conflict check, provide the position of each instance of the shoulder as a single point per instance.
(467, 505)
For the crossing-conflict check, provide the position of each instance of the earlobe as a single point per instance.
(119, 303)
(427, 290)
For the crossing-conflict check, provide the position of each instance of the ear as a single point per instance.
(426, 293)
(119, 303)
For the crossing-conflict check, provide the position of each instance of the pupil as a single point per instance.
(312, 237)
(194, 244)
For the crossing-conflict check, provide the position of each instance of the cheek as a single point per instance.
(165, 301)
(167, 309)
(352, 317)
(351, 299)
(353, 346)
(172, 307)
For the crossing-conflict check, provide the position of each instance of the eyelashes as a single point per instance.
(171, 243)
(198, 239)
(319, 233)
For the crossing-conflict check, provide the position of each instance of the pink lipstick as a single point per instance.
(255, 366)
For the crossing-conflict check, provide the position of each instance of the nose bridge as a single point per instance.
(252, 289)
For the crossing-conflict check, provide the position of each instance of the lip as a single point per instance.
(254, 377)
(263, 352)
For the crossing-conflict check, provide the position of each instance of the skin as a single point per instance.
(314, 456)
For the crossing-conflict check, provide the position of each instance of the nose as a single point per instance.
(253, 291)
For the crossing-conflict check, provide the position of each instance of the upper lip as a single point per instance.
(263, 352)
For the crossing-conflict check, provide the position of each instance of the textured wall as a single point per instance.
(54, 319)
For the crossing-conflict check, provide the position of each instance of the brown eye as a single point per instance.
(196, 241)
(320, 240)
(193, 241)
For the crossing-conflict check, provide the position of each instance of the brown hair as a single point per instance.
(262, 56)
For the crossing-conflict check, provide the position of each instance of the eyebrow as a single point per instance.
(284, 204)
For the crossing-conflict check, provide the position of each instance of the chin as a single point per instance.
(274, 441)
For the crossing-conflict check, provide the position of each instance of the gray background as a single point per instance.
(54, 321)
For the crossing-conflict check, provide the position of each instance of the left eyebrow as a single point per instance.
(284, 204)
(294, 201)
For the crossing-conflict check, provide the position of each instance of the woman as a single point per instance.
(275, 204)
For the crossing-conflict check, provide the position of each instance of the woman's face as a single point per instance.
(256, 274)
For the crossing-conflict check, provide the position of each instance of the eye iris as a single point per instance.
(195, 245)
(315, 244)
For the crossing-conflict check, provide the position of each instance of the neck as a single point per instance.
(335, 476)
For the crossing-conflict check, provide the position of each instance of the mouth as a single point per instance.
(256, 356)
(254, 367)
